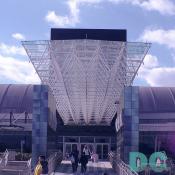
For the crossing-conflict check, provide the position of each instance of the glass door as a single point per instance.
(105, 151)
(99, 151)
(102, 151)
(69, 147)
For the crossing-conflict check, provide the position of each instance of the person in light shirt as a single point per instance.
(87, 153)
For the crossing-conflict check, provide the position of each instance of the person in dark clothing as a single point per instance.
(83, 161)
(44, 165)
(74, 159)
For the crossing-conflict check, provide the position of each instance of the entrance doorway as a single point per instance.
(98, 145)
(102, 151)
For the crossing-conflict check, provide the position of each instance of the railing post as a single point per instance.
(6, 156)
(11, 115)
(26, 117)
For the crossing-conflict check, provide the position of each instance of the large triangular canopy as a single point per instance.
(86, 76)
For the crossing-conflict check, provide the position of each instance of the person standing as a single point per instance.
(44, 165)
(87, 153)
(83, 162)
(41, 167)
(74, 159)
(38, 168)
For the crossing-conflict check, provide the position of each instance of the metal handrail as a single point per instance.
(29, 163)
(18, 117)
(29, 169)
(3, 117)
(6, 155)
(4, 158)
(6, 152)
(124, 169)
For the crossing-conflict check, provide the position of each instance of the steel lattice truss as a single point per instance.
(86, 77)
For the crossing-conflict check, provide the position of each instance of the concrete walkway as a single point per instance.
(93, 169)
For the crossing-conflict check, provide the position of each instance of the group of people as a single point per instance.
(83, 160)
(42, 165)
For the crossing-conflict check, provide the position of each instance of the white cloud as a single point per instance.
(18, 36)
(155, 75)
(161, 76)
(69, 20)
(11, 50)
(150, 61)
(73, 18)
(59, 21)
(19, 71)
(165, 7)
(160, 36)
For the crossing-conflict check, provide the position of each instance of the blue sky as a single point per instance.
(146, 20)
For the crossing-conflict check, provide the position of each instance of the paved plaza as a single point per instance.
(93, 168)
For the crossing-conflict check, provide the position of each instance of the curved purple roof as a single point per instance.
(156, 99)
(19, 98)
(16, 98)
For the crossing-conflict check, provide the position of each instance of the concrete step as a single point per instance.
(14, 168)
(17, 163)
(11, 172)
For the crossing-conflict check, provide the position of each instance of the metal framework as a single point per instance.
(86, 77)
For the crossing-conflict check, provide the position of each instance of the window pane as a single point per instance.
(102, 140)
(87, 139)
(71, 139)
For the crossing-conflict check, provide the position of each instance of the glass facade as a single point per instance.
(99, 145)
